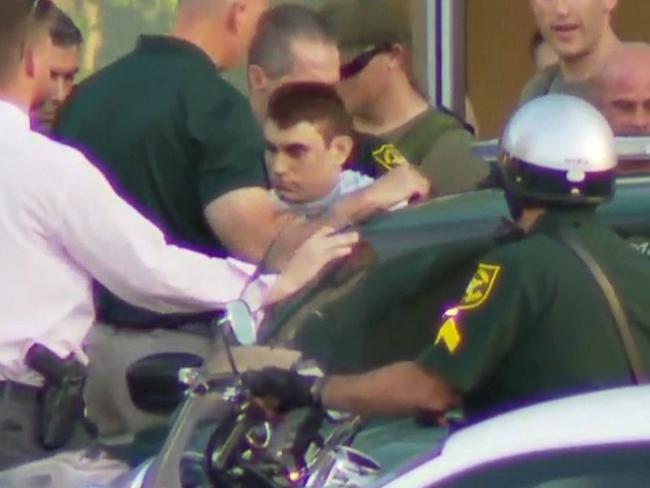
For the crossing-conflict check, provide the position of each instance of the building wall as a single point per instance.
(498, 62)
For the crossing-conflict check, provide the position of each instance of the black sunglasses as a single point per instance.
(354, 67)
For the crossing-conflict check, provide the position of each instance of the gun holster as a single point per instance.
(61, 397)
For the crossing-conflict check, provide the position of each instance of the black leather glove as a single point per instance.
(283, 390)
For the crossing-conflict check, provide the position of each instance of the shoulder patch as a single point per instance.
(480, 286)
(389, 157)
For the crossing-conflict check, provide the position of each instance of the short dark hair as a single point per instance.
(317, 103)
(278, 27)
(63, 31)
(19, 20)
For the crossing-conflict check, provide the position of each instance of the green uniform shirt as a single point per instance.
(172, 136)
(533, 324)
(442, 151)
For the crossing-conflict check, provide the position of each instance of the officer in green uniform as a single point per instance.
(181, 144)
(396, 125)
(534, 322)
(173, 136)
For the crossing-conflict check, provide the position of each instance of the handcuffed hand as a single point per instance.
(281, 390)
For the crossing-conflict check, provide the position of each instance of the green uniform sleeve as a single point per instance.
(451, 166)
(473, 336)
(231, 143)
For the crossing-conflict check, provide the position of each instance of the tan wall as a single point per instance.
(498, 32)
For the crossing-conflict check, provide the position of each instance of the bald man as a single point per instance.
(182, 145)
(623, 91)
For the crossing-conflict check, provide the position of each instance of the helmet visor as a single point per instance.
(551, 185)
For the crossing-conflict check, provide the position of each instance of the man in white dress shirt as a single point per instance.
(55, 242)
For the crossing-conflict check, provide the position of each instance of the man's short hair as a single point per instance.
(63, 31)
(271, 47)
(19, 19)
(316, 103)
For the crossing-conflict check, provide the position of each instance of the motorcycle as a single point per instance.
(224, 437)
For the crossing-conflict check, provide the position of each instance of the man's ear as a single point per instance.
(258, 80)
(400, 57)
(610, 5)
(234, 16)
(341, 148)
(29, 62)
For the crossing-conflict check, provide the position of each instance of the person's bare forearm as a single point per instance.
(358, 206)
(399, 389)
(246, 223)
(350, 210)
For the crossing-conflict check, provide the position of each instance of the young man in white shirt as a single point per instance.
(63, 226)
(309, 138)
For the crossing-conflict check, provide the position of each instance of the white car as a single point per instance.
(599, 439)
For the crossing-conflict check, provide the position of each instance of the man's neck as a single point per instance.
(396, 107)
(16, 95)
(588, 66)
(529, 218)
(195, 35)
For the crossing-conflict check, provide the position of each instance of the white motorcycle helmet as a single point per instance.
(557, 150)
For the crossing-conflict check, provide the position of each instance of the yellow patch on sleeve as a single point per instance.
(449, 335)
(480, 286)
(389, 157)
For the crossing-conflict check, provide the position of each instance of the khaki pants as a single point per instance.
(111, 351)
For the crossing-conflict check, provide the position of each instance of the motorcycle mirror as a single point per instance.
(238, 315)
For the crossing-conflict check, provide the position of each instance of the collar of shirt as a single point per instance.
(311, 210)
(13, 116)
(555, 219)
(150, 42)
(349, 181)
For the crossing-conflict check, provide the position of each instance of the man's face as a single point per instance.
(302, 165)
(573, 27)
(62, 68)
(625, 97)
(361, 89)
(312, 60)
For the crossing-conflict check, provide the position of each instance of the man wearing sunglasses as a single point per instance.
(396, 124)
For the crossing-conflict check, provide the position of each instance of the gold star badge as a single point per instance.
(389, 157)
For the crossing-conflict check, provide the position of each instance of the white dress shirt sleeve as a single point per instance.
(129, 255)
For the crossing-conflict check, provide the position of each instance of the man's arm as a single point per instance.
(129, 255)
(470, 340)
(399, 389)
(398, 186)
(246, 222)
(451, 165)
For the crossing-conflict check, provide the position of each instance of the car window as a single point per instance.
(598, 467)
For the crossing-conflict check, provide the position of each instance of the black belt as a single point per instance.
(12, 389)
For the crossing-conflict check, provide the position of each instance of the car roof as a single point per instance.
(616, 416)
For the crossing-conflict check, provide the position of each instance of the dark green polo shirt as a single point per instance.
(533, 324)
(171, 134)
